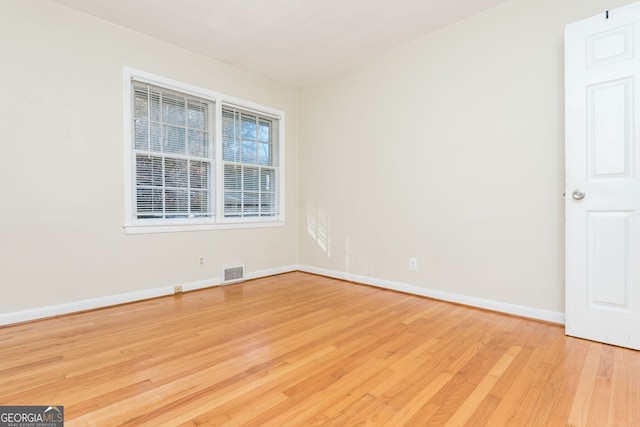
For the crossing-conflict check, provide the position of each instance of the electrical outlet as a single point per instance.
(177, 289)
(201, 261)
(413, 264)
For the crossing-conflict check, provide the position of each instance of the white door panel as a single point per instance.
(602, 78)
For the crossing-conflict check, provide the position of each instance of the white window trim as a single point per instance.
(131, 226)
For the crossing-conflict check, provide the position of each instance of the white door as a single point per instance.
(602, 154)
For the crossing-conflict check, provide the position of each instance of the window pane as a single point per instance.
(230, 150)
(251, 179)
(267, 203)
(251, 204)
(146, 102)
(198, 143)
(140, 103)
(148, 171)
(141, 134)
(232, 177)
(228, 123)
(267, 180)
(156, 137)
(174, 139)
(230, 137)
(154, 98)
(249, 128)
(199, 175)
(264, 132)
(264, 154)
(176, 173)
(173, 109)
(176, 202)
(249, 152)
(199, 202)
(149, 201)
(232, 203)
(197, 115)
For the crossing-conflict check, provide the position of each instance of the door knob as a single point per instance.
(578, 194)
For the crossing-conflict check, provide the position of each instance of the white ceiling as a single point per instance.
(297, 42)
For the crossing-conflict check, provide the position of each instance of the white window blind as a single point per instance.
(173, 150)
(250, 161)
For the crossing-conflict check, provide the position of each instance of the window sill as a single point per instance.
(176, 228)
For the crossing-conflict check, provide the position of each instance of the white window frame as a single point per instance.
(133, 225)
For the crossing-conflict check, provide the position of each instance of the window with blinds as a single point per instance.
(250, 163)
(197, 159)
(173, 146)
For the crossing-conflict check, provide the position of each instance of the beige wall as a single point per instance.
(448, 149)
(61, 165)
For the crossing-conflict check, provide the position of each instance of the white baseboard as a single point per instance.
(503, 307)
(110, 300)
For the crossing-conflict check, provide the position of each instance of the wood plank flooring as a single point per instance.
(304, 350)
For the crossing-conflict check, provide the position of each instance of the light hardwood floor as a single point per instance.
(303, 350)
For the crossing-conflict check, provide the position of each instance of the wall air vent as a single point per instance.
(233, 274)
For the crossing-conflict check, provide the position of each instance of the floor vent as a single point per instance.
(233, 274)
